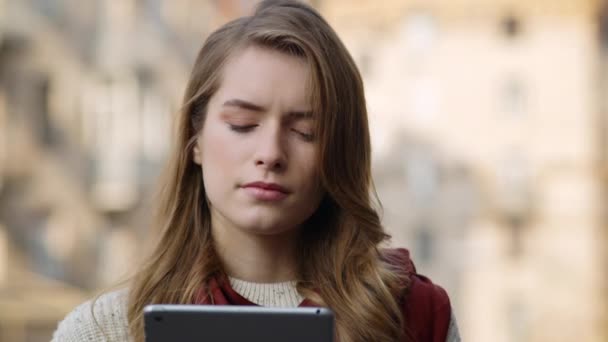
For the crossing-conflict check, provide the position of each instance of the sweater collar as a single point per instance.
(221, 293)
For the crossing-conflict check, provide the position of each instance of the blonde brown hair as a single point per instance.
(340, 265)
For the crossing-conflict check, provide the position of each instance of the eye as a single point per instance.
(241, 128)
(306, 136)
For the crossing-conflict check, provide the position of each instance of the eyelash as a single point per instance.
(248, 128)
(305, 136)
(242, 129)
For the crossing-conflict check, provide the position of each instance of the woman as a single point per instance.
(269, 186)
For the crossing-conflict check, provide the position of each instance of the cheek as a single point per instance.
(219, 160)
(217, 148)
(316, 188)
(309, 172)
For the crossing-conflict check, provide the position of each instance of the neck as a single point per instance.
(256, 258)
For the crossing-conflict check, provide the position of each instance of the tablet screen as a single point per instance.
(230, 323)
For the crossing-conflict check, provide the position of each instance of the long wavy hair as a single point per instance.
(339, 262)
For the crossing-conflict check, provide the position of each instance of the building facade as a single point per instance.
(489, 133)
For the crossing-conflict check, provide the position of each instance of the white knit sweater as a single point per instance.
(111, 314)
(284, 294)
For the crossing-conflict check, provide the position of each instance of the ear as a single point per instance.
(196, 154)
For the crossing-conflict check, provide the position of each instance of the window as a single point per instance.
(39, 94)
(3, 149)
(155, 123)
(511, 26)
(186, 18)
(514, 180)
(514, 97)
(424, 100)
(30, 92)
(121, 13)
(424, 240)
(515, 199)
(4, 257)
(517, 319)
(112, 130)
(603, 20)
(419, 32)
(422, 174)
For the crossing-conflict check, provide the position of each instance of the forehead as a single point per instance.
(266, 75)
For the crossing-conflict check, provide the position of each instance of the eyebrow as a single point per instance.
(244, 105)
(294, 115)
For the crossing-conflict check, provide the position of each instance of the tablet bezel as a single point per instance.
(233, 323)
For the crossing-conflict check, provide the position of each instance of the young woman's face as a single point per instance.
(257, 145)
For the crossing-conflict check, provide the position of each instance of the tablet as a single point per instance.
(231, 323)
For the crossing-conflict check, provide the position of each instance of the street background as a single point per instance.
(489, 122)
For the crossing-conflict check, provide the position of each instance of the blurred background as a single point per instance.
(489, 121)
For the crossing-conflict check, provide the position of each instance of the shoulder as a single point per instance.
(426, 306)
(101, 319)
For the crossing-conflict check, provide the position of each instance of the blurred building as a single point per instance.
(87, 90)
(603, 123)
(488, 122)
(489, 115)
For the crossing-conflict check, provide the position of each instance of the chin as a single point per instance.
(268, 228)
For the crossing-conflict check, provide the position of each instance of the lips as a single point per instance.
(266, 192)
(267, 186)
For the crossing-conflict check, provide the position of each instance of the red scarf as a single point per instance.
(425, 306)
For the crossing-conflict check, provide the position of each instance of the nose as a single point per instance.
(270, 152)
